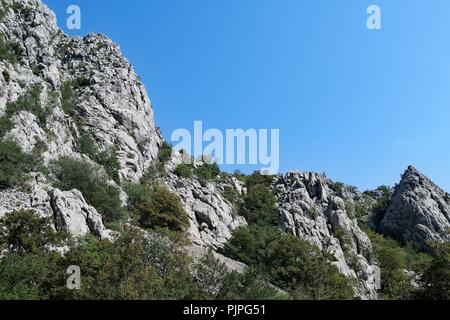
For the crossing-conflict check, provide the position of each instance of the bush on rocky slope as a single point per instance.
(81, 175)
(286, 261)
(435, 280)
(164, 210)
(393, 260)
(134, 266)
(14, 164)
(8, 51)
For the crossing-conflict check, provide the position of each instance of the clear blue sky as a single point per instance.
(359, 105)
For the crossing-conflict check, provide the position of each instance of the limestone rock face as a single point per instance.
(212, 218)
(75, 215)
(69, 210)
(109, 101)
(419, 211)
(312, 211)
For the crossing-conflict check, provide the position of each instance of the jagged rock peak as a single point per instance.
(419, 210)
(109, 102)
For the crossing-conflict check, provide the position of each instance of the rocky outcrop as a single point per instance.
(73, 214)
(109, 101)
(419, 211)
(311, 210)
(69, 210)
(212, 218)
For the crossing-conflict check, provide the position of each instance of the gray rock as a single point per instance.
(419, 211)
(109, 97)
(212, 218)
(310, 210)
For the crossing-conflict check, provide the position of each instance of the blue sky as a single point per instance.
(359, 105)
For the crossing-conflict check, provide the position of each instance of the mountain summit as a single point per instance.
(419, 210)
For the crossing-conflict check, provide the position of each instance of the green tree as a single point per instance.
(24, 232)
(391, 257)
(164, 211)
(81, 175)
(436, 278)
(29, 269)
(184, 171)
(13, 164)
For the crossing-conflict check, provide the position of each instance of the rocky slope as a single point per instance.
(311, 210)
(419, 211)
(110, 104)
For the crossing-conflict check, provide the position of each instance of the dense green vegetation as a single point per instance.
(164, 210)
(435, 280)
(132, 267)
(379, 209)
(157, 169)
(231, 195)
(154, 207)
(393, 260)
(207, 172)
(13, 164)
(81, 175)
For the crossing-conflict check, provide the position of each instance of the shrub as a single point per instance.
(81, 82)
(184, 171)
(259, 206)
(67, 98)
(5, 126)
(138, 195)
(25, 232)
(253, 245)
(164, 210)
(250, 285)
(257, 179)
(6, 75)
(110, 162)
(436, 278)
(207, 172)
(380, 207)
(231, 195)
(288, 262)
(392, 258)
(165, 153)
(88, 146)
(29, 102)
(13, 164)
(8, 51)
(76, 174)
(338, 188)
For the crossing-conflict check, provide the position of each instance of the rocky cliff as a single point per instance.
(419, 211)
(109, 102)
(310, 209)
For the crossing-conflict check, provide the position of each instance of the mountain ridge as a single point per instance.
(91, 106)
